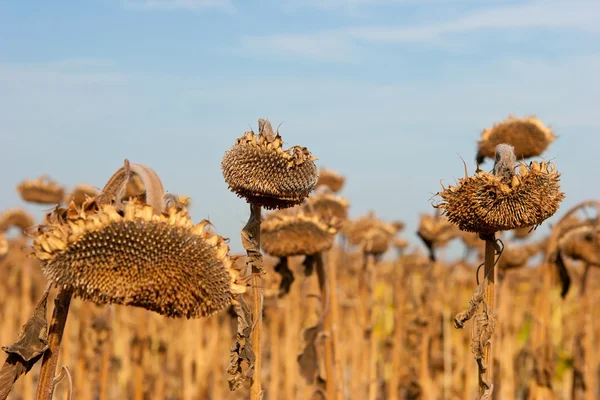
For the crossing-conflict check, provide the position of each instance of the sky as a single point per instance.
(387, 92)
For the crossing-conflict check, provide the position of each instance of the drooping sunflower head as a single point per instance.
(259, 170)
(130, 253)
(42, 191)
(331, 179)
(529, 136)
(486, 203)
(286, 234)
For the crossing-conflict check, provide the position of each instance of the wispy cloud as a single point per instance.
(575, 15)
(225, 5)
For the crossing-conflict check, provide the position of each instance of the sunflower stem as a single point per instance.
(45, 388)
(326, 301)
(251, 242)
(490, 272)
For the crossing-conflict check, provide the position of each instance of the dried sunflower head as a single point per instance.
(258, 169)
(331, 179)
(15, 217)
(486, 203)
(132, 253)
(401, 243)
(372, 235)
(163, 262)
(42, 190)
(80, 194)
(528, 136)
(286, 234)
(582, 243)
(327, 206)
(436, 230)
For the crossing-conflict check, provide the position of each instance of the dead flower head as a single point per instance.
(286, 234)
(258, 169)
(135, 254)
(42, 191)
(331, 179)
(528, 136)
(487, 203)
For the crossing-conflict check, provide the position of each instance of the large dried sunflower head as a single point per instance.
(132, 256)
(287, 234)
(80, 194)
(486, 203)
(331, 179)
(258, 169)
(15, 217)
(327, 206)
(528, 136)
(42, 191)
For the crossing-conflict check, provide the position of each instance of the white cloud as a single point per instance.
(225, 5)
(573, 15)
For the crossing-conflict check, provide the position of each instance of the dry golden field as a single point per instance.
(157, 307)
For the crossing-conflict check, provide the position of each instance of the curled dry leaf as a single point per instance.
(241, 351)
(308, 360)
(23, 354)
(476, 299)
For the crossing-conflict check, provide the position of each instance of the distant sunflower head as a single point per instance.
(293, 234)
(258, 169)
(327, 206)
(486, 203)
(3, 245)
(15, 217)
(42, 191)
(331, 179)
(371, 234)
(436, 230)
(529, 136)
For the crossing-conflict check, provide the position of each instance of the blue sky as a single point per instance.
(387, 92)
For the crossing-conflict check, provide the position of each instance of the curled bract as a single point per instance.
(485, 203)
(258, 169)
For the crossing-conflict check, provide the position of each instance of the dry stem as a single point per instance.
(325, 300)
(486, 365)
(45, 387)
(251, 242)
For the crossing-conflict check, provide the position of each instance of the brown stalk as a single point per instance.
(25, 310)
(138, 355)
(397, 349)
(275, 359)
(106, 354)
(485, 366)
(45, 388)
(334, 327)
(251, 243)
(325, 300)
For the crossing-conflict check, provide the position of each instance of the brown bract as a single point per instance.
(258, 169)
(528, 136)
(161, 262)
(15, 217)
(331, 179)
(42, 190)
(285, 235)
(485, 203)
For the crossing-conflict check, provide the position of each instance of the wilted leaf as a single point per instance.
(242, 349)
(23, 354)
(309, 360)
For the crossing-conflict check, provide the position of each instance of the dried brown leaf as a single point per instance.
(309, 359)
(242, 349)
